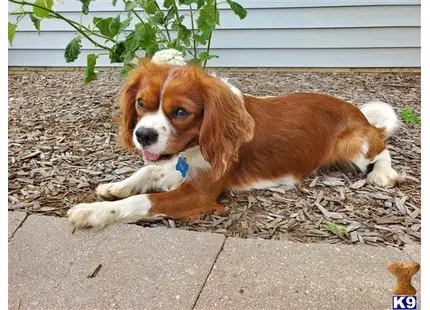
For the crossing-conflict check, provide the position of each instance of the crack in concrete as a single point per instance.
(18, 227)
(209, 273)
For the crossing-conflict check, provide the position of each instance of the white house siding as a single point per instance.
(276, 33)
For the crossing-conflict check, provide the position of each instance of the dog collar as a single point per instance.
(182, 166)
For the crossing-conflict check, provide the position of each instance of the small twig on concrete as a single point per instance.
(93, 273)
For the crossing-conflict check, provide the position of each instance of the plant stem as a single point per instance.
(70, 22)
(176, 10)
(209, 40)
(80, 21)
(134, 12)
(166, 26)
(77, 24)
(208, 49)
(141, 20)
(18, 19)
(192, 32)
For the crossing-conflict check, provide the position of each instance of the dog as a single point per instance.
(203, 137)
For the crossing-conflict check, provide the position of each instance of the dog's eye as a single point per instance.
(139, 103)
(180, 113)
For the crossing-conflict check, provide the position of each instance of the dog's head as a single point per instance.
(168, 109)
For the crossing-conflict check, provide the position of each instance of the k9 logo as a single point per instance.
(405, 302)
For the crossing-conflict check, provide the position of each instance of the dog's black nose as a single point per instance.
(146, 136)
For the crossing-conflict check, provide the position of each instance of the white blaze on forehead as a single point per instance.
(158, 121)
(169, 78)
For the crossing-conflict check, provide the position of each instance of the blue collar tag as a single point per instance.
(182, 166)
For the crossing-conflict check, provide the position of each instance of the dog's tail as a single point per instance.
(381, 115)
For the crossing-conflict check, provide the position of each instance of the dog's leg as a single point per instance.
(383, 174)
(374, 151)
(360, 160)
(183, 203)
(369, 148)
(153, 177)
(384, 119)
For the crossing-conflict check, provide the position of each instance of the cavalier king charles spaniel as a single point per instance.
(203, 136)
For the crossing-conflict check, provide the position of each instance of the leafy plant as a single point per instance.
(409, 117)
(184, 25)
(337, 229)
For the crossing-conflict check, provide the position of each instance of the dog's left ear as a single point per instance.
(226, 125)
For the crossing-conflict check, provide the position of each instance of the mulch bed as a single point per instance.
(63, 143)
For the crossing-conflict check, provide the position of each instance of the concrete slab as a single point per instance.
(14, 220)
(414, 252)
(261, 274)
(141, 268)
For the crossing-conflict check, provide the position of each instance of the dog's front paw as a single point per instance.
(96, 214)
(112, 191)
(383, 177)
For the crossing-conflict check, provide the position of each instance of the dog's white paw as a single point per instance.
(111, 191)
(385, 177)
(96, 214)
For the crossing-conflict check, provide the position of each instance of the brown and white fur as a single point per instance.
(230, 141)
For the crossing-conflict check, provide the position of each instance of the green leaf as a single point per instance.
(176, 44)
(194, 62)
(208, 19)
(36, 22)
(200, 3)
(237, 9)
(158, 18)
(73, 49)
(117, 53)
(41, 13)
(130, 5)
(339, 230)
(103, 25)
(124, 25)
(178, 22)
(409, 117)
(168, 3)
(114, 2)
(89, 74)
(130, 47)
(200, 39)
(151, 7)
(170, 14)
(11, 28)
(126, 69)
(129, 56)
(206, 56)
(114, 26)
(145, 34)
(85, 6)
(129, 39)
(188, 2)
(184, 35)
(152, 49)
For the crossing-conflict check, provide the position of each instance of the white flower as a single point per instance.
(169, 57)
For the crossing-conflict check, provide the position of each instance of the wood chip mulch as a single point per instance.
(63, 143)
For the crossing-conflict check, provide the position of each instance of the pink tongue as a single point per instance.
(151, 156)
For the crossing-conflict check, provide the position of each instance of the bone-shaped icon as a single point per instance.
(403, 271)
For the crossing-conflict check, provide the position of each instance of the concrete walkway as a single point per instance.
(145, 268)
